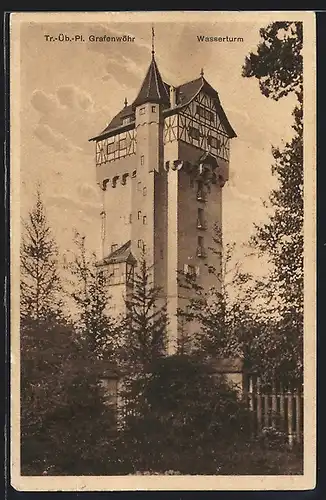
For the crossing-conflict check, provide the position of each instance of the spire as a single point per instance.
(202, 72)
(153, 44)
(126, 102)
(153, 88)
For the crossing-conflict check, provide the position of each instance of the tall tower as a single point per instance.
(161, 164)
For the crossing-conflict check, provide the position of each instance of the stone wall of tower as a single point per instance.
(171, 153)
(143, 190)
(116, 180)
(183, 231)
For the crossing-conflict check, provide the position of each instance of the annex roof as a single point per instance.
(121, 254)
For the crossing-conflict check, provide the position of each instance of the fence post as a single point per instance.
(298, 415)
(266, 410)
(274, 404)
(290, 418)
(250, 394)
(259, 406)
(282, 412)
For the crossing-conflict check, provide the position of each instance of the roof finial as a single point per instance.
(126, 102)
(202, 72)
(153, 36)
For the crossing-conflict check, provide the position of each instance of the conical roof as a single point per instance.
(153, 88)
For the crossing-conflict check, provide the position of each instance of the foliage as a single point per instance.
(278, 67)
(65, 425)
(178, 417)
(143, 329)
(278, 63)
(90, 294)
(221, 320)
(40, 281)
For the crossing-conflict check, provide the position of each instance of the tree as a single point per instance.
(278, 67)
(66, 427)
(91, 297)
(40, 280)
(184, 417)
(143, 329)
(278, 63)
(222, 316)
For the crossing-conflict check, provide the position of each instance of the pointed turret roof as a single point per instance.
(153, 88)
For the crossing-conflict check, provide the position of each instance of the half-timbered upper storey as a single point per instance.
(192, 113)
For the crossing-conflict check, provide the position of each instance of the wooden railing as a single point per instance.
(276, 406)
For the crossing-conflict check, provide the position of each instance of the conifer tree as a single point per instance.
(40, 281)
(278, 67)
(222, 316)
(143, 330)
(91, 297)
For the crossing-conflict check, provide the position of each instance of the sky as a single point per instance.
(70, 91)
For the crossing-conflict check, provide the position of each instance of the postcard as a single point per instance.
(162, 218)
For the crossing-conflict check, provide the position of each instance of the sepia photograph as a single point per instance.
(162, 205)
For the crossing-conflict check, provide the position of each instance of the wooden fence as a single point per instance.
(276, 406)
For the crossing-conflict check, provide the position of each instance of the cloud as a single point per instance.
(72, 97)
(67, 118)
(53, 139)
(88, 192)
(74, 206)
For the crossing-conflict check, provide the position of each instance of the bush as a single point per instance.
(180, 418)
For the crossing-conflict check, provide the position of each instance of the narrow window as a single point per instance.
(140, 244)
(142, 111)
(114, 247)
(144, 191)
(213, 142)
(200, 218)
(191, 271)
(200, 191)
(194, 133)
(144, 220)
(115, 270)
(122, 144)
(200, 247)
(139, 214)
(153, 109)
(111, 147)
(142, 159)
(130, 218)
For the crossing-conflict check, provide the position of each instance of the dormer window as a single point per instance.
(114, 247)
(153, 109)
(126, 120)
(142, 111)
